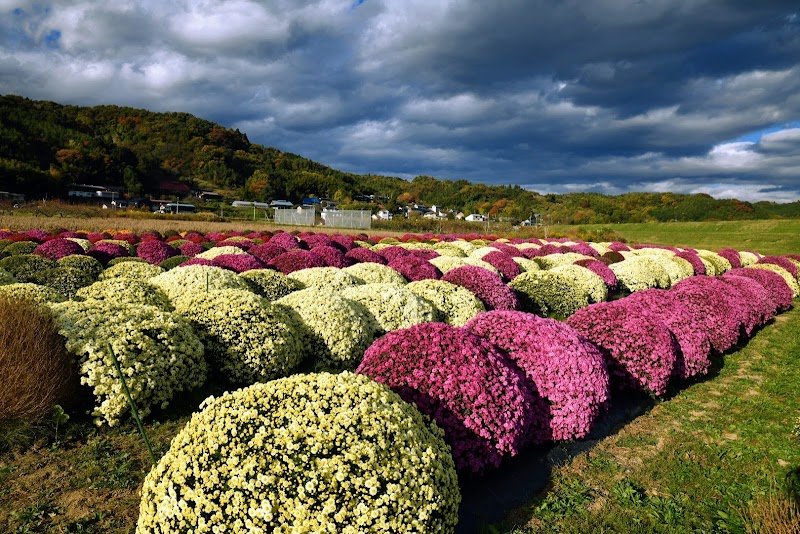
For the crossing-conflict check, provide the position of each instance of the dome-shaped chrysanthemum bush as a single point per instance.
(125, 259)
(105, 251)
(414, 268)
(393, 306)
(554, 260)
(732, 256)
(20, 247)
(585, 281)
(335, 331)
(126, 291)
(504, 263)
(526, 265)
(157, 351)
(449, 249)
(314, 453)
(712, 304)
(35, 292)
(777, 289)
(270, 284)
(637, 273)
(790, 280)
(675, 269)
(285, 240)
(375, 273)
(756, 299)
(155, 251)
(6, 277)
(238, 263)
(780, 261)
(84, 243)
(213, 252)
(748, 257)
(568, 371)
(197, 279)
(690, 334)
(549, 293)
(721, 265)
(487, 286)
(471, 389)
(454, 304)
(135, 270)
(363, 254)
(55, 249)
(332, 256)
(247, 338)
(602, 270)
(295, 260)
(447, 263)
(694, 260)
(87, 264)
(65, 280)
(327, 278)
(26, 267)
(640, 351)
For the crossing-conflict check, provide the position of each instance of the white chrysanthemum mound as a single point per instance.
(34, 292)
(721, 265)
(197, 279)
(480, 252)
(601, 248)
(309, 453)
(6, 277)
(337, 331)
(637, 273)
(786, 275)
(526, 264)
(393, 307)
(375, 273)
(675, 271)
(213, 252)
(585, 281)
(137, 270)
(270, 284)
(747, 258)
(328, 278)
(445, 248)
(455, 304)
(554, 260)
(685, 267)
(466, 247)
(448, 263)
(549, 293)
(157, 351)
(248, 339)
(526, 246)
(127, 291)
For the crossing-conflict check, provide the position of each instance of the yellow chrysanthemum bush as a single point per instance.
(270, 284)
(585, 281)
(375, 273)
(328, 278)
(637, 273)
(335, 331)
(35, 292)
(126, 290)
(138, 270)
(157, 350)
(197, 279)
(455, 304)
(550, 293)
(392, 306)
(449, 249)
(526, 264)
(308, 453)
(554, 260)
(247, 338)
(721, 265)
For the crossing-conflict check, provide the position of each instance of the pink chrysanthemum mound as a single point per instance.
(508, 249)
(190, 249)
(56, 249)
(504, 263)
(585, 249)
(602, 270)
(105, 252)
(332, 256)
(414, 268)
(761, 307)
(712, 304)
(294, 260)
(691, 335)
(732, 256)
(238, 263)
(284, 240)
(640, 351)
(364, 255)
(154, 251)
(473, 391)
(394, 252)
(692, 257)
(567, 369)
(777, 288)
(266, 251)
(484, 284)
(780, 261)
(317, 240)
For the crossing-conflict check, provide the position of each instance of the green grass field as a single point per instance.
(772, 236)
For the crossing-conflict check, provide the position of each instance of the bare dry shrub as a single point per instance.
(776, 513)
(36, 371)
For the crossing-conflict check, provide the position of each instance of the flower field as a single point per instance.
(363, 377)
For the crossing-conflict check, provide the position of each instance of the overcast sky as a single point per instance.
(554, 95)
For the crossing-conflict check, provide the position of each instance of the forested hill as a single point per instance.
(46, 146)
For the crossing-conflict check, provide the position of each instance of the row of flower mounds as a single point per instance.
(539, 369)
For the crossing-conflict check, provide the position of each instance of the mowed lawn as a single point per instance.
(774, 236)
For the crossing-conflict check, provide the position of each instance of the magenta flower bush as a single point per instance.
(691, 335)
(363, 254)
(567, 369)
(295, 260)
(414, 268)
(155, 252)
(777, 289)
(285, 240)
(780, 261)
(332, 256)
(105, 252)
(508, 249)
(318, 240)
(603, 271)
(585, 249)
(616, 246)
(711, 304)
(504, 263)
(238, 263)
(732, 256)
(266, 251)
(487, 286)
(190, 249)
(393, 252)
(640, 351)
(198, 261)
(692, 257)
(473, 391)
(761, 307)
(58, 248)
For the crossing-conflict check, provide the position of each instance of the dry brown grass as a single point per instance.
(36, 371)
(774, 514)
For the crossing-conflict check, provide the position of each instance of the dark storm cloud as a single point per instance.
(609, 95)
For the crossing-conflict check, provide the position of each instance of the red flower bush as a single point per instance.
(56, 249)
(473, 391)
(362, 254)
(777, 289)
(414, 268)
(154, 251)
(484, 284)
(567, 370)
(294, 260)
(504, 263)
(640, 351)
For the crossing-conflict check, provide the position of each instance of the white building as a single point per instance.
(476, 217)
